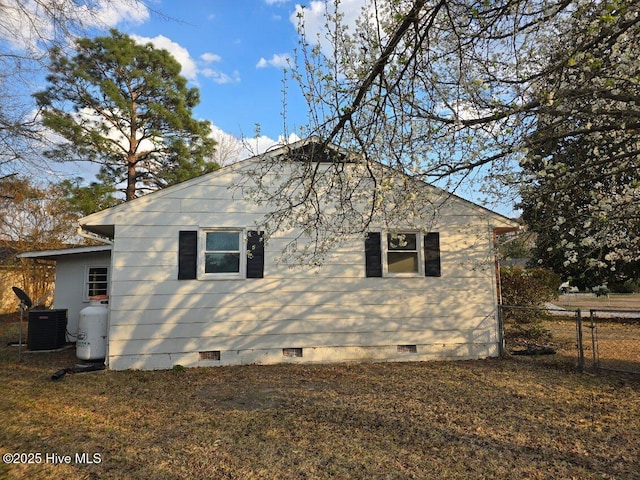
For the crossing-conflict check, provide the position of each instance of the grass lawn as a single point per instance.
(586, 301)
(524, 418)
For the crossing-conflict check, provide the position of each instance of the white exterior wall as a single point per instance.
(334, 313)
(70, 286)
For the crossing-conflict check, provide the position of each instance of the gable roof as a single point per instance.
(305, 150)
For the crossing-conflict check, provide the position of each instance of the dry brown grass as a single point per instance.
(588, 301)
(533, 418)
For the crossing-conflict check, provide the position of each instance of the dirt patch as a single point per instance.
(256, 395)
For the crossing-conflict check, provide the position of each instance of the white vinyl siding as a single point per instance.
(333, 311)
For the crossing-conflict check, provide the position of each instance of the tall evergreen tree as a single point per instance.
(126, 107)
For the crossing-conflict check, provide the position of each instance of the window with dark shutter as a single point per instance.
(222, 253)
(373, 254)
(403, 253)
(187, 255)
(432, 255)
(255, 254)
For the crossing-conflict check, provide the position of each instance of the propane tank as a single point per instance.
(91, 342)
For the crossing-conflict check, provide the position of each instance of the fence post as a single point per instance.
(580, 346)
(501, 345)
(594, 340)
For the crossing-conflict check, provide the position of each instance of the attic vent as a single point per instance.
(407, 349)
(292, 352)
(210, 355)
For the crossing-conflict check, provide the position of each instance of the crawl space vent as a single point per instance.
(407, 349)
(292, 352)
(210, 355)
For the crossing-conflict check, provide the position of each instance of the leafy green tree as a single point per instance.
(583, 228)
(582, 170)
(84, 199)
(126, 107)
(529, 288)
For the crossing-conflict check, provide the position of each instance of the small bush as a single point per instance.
(528, 288)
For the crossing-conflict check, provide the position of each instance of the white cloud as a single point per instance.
(279, 60)
(190, 68)
(27, 25)
(257, 145)
(181, 54)
(210, 57)
(231, 149)
(221, 77)
(112, 12)
(314, 18)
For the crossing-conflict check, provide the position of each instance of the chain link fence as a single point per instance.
(615, 338)
(596, 339)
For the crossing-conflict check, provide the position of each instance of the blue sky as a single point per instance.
(235, 53)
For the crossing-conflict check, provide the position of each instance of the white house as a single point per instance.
(191, 282)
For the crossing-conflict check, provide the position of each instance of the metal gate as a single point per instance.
(606, 339)
(615, 340)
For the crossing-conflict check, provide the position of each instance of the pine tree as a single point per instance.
(126, 107)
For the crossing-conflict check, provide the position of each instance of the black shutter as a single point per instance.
(255, 254)
(373, 254)
(432, 255)
(187, 254)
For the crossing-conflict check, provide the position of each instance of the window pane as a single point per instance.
(97, 289)
(402, 241)
(402, 262)
(222, 262)
(97, 274)
(217, 241)
(97, 281)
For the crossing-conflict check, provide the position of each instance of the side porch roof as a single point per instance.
(63, 252)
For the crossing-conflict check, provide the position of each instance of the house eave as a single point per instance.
(105, 231)
(64, 252)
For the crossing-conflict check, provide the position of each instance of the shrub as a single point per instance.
(528, 288)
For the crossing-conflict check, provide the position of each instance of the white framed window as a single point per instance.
(96, 281)
(403, 254)
(222, 253)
